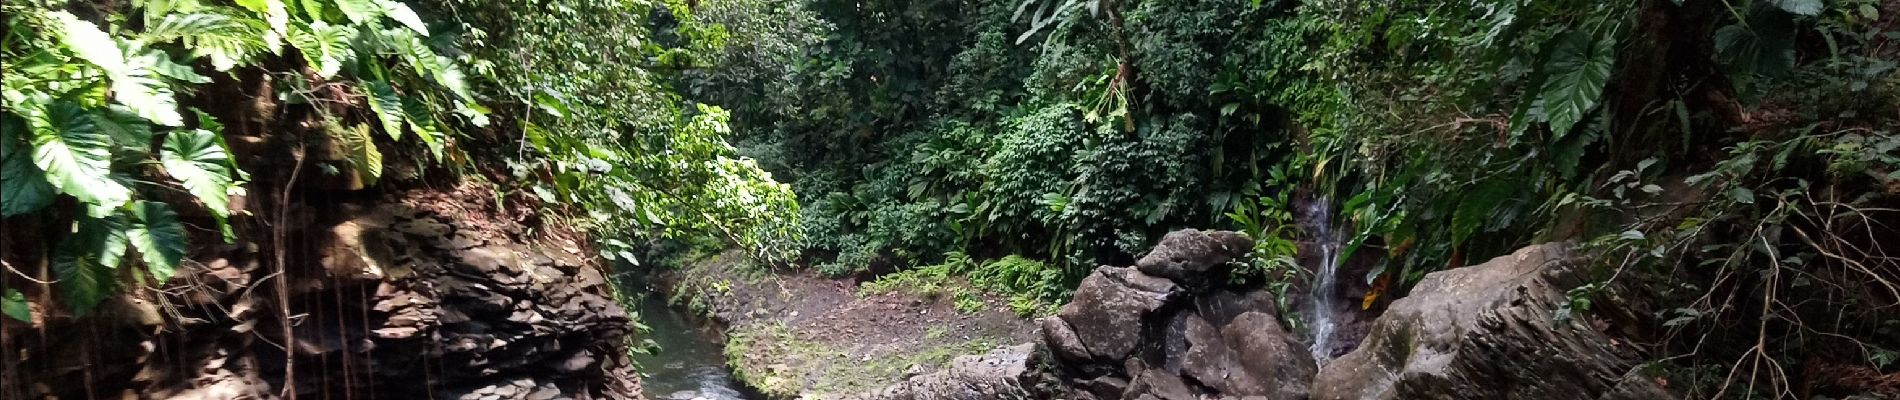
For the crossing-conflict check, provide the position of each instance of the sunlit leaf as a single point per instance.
(76, 156)
(365, 159)
(402, 14)
(324, 46)
(159, 237)
(388, 107)
(201, 164)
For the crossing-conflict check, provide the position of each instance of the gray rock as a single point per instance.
(1271, 355)
(1484, 331)
(1108, 307)
(1187, 254)
(1158, 384)
(1062, 341)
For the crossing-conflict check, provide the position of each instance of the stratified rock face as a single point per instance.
(1486, 332)
(482, 318)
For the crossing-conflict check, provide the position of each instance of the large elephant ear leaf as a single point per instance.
(198, 161)
(324, 46)
(402, 14)
(23, 186)
(388, 107)
(125, 128)
(133, 82)
(76, 156)
(159, 237)
(1575, 72)
(85, 261)
(366, 161)
(360, 11)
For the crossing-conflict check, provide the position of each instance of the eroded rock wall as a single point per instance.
(388, 298)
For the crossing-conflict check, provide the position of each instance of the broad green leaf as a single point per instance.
(201, 163)
(163, 65)
(1762, 46)
(401, 13)
(1802, 7)
(276, 14)
(225, 40)
(126, 129)
(14, 306)
(89, 43)
(424, 123)
(147, 96)
(1477, 206)
(312, 9)
(536, 135)
(133, 82)
(325, 47)
(425, 62)
(76, 156)
(387, 105)
(23, 186)
(360, 148)
(159, 237)
(360, 11)
(551, 103)
(1567, 152)
(1575, 72)
(84, 261)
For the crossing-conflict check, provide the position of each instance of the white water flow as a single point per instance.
(1325, 304)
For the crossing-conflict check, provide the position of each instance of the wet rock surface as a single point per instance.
(1489, 331)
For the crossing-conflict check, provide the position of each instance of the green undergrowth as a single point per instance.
(1032, 287)
(782, 364)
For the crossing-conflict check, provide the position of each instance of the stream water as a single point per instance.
(690, 364)
(1325, 304)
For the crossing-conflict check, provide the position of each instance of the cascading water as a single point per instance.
(1325, 305)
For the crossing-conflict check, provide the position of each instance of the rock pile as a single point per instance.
(1166, 329)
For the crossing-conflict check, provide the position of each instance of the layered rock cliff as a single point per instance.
(405, 296)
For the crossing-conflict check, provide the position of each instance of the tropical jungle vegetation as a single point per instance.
(1740, 158)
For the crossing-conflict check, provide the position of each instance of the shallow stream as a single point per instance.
(689, 364)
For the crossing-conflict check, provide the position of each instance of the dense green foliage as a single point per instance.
(915, 129)
(1712, 150)
(91, 108)
(1736, 158)
(103, 106)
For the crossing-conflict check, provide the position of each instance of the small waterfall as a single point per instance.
(1325, 305)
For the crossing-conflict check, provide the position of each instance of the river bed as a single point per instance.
(689, 364)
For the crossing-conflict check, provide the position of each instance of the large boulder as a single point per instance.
(1250, 356)
(1486, 332)
(1107, 311)
(1187, 254)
